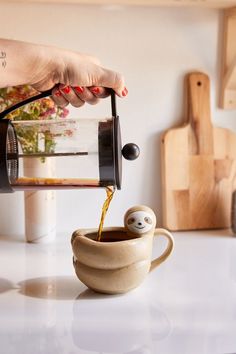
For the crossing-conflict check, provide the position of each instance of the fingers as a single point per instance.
(78, 95)
(58, 98)
(86, 95)
(63, 95)
(70, 96)
(113, 80)
(100, 92)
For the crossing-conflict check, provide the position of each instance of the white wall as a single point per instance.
(153, 48)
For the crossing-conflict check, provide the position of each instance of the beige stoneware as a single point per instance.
(122, 259)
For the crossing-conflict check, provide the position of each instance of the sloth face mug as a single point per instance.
(122, 259)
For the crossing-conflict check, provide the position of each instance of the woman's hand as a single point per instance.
(75, 78)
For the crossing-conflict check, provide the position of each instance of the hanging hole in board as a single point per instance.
(199, 83)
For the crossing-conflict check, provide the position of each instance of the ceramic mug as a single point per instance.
(119, 262)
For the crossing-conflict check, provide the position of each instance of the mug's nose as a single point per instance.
(139, 223)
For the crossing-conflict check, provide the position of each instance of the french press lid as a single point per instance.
(109, 140)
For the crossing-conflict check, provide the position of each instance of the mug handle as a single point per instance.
(163, 232)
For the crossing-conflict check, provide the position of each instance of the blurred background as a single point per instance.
(154, 47)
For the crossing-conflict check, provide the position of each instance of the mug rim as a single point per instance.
(82, 234)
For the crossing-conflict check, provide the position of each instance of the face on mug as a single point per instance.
(140, 222)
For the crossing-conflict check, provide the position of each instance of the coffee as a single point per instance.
(113, 236)
(110, 192)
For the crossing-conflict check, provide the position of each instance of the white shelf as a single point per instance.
(228, 80)
(200, 3)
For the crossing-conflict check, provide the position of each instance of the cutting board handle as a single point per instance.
(198, 107)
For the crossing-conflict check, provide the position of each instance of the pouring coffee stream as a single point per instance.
(88, 149)
(110, 193)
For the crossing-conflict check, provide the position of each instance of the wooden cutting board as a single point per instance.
(198, 166)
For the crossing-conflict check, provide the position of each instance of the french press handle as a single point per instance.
(49, 93)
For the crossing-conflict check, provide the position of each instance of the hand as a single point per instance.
(77, 78)
(74, 77)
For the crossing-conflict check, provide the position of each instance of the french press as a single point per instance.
(86, 153)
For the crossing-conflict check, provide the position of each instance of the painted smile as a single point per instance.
(140, 227)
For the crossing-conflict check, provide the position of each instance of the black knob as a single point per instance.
(130, 151)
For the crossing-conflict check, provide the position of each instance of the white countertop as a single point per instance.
(186, 306)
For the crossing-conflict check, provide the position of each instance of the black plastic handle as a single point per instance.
(49, 93)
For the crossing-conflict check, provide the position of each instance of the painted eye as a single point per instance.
(148, 220)
(131, 221)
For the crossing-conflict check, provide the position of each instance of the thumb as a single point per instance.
(113, 80)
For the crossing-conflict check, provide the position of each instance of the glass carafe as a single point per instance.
(84, 153)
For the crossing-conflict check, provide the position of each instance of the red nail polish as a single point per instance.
(66, 89)
(124, 92)
(79, 89)
(57, 93)
(95, 90)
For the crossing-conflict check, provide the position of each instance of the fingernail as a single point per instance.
(57, 93)
(124, 92)
(79, 89)
(95, 90)
(66, 89)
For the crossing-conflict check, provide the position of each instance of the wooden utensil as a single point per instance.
(198, 166)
